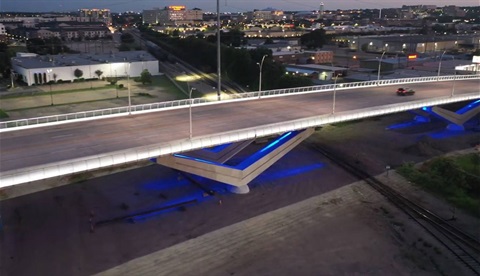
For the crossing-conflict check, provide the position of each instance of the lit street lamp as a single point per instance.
(219, 63)
(380, 66)
(190, 111)
(334, 93)
(440, 63)
(260, 78)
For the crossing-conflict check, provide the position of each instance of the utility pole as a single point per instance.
(380, 66)
(219, 69)
(12, 76)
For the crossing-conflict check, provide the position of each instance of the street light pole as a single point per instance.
(186, 75)
(90, 76)
(380, 66)
(190, 112)
(453, 87)
(51, 96)
(219, 71)
(260, 77)
(116, 85)
(440, 64)
(334, 93)
(12, 76)
(128, 85)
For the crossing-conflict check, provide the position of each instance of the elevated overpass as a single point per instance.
(41, 148)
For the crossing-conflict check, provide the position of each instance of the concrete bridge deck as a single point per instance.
(37, 146)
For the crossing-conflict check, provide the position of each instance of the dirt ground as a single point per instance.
(302, 217)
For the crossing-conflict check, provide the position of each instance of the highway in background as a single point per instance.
(177, 69)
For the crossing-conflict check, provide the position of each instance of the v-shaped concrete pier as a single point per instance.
(210, 163)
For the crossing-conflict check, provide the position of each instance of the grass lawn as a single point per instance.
(167, 85)
(3, 114)
(456, 179)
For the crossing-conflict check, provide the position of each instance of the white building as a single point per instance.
(35, 69)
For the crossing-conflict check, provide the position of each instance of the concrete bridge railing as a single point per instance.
(136, 109)
(93, 162)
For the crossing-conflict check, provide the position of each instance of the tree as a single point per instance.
(99, 73)
(314, 39)
(234, 37)
(127, 38)
(112, 80)
(269, 40)
(145, 77)
(176, 33)
(288, 81)
(78, 73)
(5, 63)
(123, 47)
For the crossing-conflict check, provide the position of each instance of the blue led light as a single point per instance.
(197, 159)
(250, 160)
(276, 141)
(405, 124)
(268, 175)
(469, 107)
(446, 134)
(217, 149)
(264, 151)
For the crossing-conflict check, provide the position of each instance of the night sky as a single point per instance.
(210, 5)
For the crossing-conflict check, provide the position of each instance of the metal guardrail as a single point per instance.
(145, 152)
(119, 111)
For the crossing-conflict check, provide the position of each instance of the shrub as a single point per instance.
(3, 114)
(445, 177)
(111, 80)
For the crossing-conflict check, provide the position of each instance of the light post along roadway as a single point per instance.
(48, 144)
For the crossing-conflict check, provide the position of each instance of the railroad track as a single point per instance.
(465, 247)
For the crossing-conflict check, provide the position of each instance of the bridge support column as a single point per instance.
(236, 176)
(457, 119)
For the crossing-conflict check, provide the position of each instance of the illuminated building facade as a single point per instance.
(95, 15)
(172, 15)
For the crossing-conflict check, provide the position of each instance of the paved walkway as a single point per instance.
(294, 240)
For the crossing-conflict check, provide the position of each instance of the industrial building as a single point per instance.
(34, 69)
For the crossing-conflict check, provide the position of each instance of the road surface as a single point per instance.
(37, 146)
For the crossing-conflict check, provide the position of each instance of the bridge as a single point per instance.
(46, 147)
